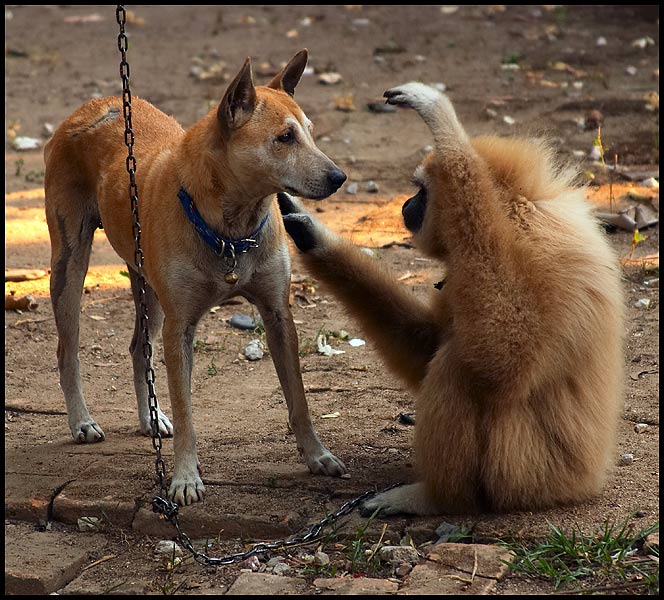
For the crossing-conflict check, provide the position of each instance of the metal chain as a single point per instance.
(166, 508)
(313, 534)
(160, 467)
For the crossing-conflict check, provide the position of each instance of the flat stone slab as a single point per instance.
(484, 560)
(42, 562)
(351, 586)
(458, 569)
(89, 584)
(253, 584)
(28, 496)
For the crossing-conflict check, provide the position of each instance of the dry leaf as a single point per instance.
(344, 103)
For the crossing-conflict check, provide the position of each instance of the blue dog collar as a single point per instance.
(221, 245)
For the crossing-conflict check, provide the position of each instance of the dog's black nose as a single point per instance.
(336, 177)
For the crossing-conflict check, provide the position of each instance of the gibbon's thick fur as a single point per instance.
(516, 363)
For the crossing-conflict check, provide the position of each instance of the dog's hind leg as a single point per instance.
(72, 219)
(139, 355)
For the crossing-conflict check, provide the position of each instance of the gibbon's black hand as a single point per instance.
(287, 205)
(301, 228)
(298, 224)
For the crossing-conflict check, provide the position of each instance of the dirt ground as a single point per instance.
(520, 69)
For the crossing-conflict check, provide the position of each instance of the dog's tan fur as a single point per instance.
(231, 162)
(517, 362)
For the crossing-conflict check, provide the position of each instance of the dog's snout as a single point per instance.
(336, 177)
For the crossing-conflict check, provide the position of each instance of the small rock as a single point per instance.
(651, 182)
(652, 543)
(640, 427)
(396, 555)
(643, 42)
(281, 568)
(48, 129)
(626, 459)
(441, 87)
(254, 350)
(252, 564)
(403, 569)
(307, 559)
(427, 149)
(22, 143)
(351, 188)
(448, 532)
(491, 113)
(361, 22)
(321, 559)
(508, 120)
(355, 342)
(330, 78)
(89, 524)
(240, 321)
(275, 560)
(601, 41)
(368, 252)
(631, 70)
(372, 187)
(642, 303)
(168, 549)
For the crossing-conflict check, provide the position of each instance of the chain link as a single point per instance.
(161, 505)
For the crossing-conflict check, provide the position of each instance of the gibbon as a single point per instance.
(516, 362)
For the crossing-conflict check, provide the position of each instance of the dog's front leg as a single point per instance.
(187, 486)
(283, 344)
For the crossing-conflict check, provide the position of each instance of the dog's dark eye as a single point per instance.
(286, 138)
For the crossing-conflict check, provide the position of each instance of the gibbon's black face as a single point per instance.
(413, 211)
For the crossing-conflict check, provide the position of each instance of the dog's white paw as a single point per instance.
(325, 463)
(416, 95)
(186, 489)
(87, 432)
(165, 425)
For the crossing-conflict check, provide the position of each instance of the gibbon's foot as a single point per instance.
(415, 95)
(406, 499)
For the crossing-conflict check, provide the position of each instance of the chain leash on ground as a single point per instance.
(163, 506)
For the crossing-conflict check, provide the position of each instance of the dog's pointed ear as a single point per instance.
(290, 75)
(239, 101)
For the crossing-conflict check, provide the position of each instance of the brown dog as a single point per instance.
(211, 229)
(516, 362)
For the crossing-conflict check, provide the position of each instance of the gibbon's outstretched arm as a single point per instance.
(493, 307)
(403, 328)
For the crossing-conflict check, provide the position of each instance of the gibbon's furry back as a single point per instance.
(516, 363)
